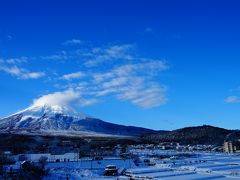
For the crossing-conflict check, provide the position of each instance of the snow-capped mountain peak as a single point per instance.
(51, 110)
(62, 120)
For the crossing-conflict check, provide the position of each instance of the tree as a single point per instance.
(123, 151)
(22, 157)
(43, 160)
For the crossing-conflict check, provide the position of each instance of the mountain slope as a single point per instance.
(54, 120)
(193, 135)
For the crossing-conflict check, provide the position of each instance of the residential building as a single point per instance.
(231, 146)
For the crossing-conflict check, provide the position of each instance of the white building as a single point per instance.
(50, 157)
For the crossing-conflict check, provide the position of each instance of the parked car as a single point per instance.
(128, 173)
(151, 164)
(110, 170)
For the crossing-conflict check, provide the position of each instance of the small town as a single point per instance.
(143, 161)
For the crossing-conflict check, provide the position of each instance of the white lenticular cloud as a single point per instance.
(64, 98)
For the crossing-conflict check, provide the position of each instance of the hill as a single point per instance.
(195, 135)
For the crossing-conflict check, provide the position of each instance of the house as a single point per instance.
(50, 157)
(64, 157)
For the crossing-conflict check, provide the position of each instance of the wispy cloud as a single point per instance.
(16, 60)
(71, 76)
(63, 55)
(118, 72)
(106, 55)
(72, 42)
(83, 102)
(232, 99)
(145, 96)
(132, 82)
(21, 73)
(32, 75)
(113, 70)
(10, 66)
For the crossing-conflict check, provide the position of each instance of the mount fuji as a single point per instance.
(63, 120)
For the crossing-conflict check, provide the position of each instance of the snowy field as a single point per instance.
(152, 164)
(86, 168)
(165, 165)
(196, 165)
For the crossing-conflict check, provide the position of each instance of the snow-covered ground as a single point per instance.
(153, 164)
(195, 165)
(93, 164)
(86, 168)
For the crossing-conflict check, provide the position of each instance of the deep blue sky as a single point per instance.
(194, 44)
